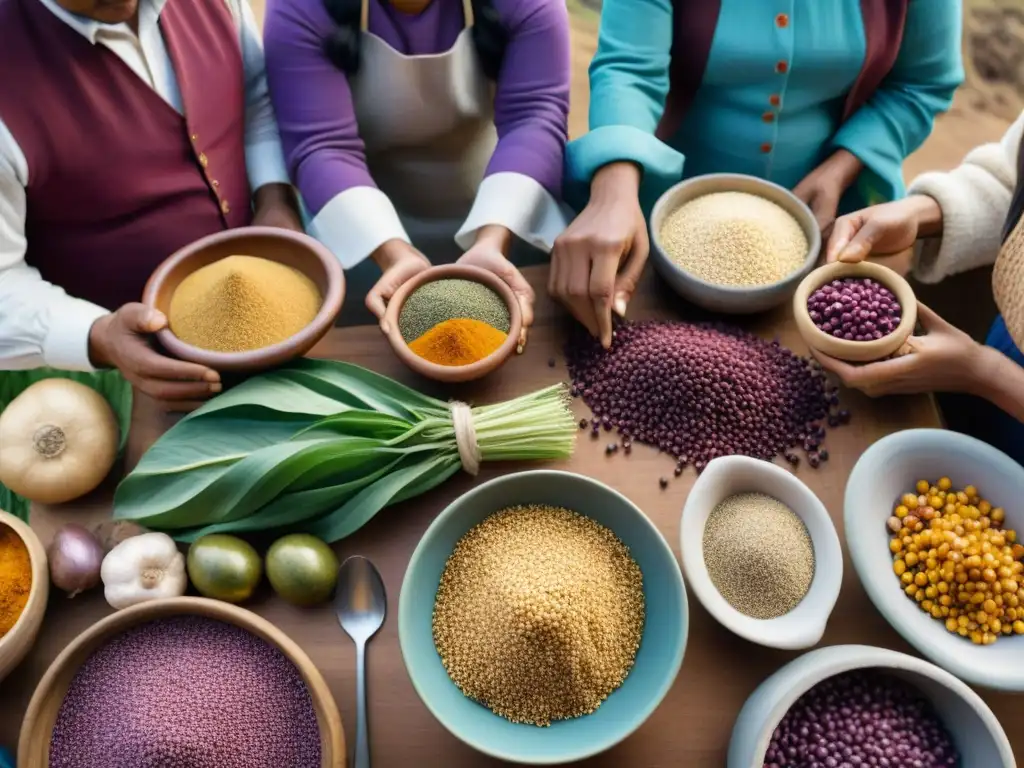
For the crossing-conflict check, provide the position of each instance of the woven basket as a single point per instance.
(1008, 283)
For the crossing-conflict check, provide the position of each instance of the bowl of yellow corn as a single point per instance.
(935, 527)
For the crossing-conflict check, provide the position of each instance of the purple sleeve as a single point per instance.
(531, 108)
(313, 103)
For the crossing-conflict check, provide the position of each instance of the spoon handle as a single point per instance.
(362, 759)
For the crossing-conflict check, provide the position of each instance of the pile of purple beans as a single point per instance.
(701, 391)
(855, 309)
(861, 718)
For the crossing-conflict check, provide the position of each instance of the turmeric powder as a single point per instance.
(15, 578)
(461, 341)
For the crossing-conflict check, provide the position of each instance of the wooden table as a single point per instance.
(692, 726)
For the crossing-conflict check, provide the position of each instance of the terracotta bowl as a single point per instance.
(291, 248)
(18, 641)
(855, 351)
(454, 373)
(41, 716)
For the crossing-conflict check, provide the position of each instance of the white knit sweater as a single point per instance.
(975, 201)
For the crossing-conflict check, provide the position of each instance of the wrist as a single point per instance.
(390, 253)
(616, 180)
(99, 354)
(846, 166)
(927, 213)
(494, 236)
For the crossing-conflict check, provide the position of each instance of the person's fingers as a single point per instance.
(138, 318)
(522, 289)
(558, 258)
(168, 391)
(577, 287)
(929, 319)
(375, 297)
(150, 364)
(834, 365)
(602, 292)
(182, 406)
(629, 276)
(861, 244)
(843, 231)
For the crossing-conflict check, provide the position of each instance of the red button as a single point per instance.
(782, 21)
(775, 100)
(782, 67)
(766, 148)
(768, 117)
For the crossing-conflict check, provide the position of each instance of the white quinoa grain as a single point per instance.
(539, 614)
(734, 238)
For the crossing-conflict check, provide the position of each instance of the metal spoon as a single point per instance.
(361, 604)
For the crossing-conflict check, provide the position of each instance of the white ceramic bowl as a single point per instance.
(886, 471)
(727, 476)
(734, 300)
(975, 730)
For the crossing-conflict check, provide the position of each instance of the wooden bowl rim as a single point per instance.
(453, 373)
(39, 592)
(120, 621)
(732, 182)
(330, 305)
(855, 351)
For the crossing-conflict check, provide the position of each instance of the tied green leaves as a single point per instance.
(110, 384)
(320, 447)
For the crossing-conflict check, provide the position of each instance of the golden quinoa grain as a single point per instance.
(734, 238)
(539, 614)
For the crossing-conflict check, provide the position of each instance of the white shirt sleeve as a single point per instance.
(40, 325)
(975, 200)
(264, 157)
(521, 205)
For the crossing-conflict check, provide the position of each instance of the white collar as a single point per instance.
(149, 12)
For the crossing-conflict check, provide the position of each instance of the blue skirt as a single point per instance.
(1004, 431)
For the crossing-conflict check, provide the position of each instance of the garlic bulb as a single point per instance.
(144, 567)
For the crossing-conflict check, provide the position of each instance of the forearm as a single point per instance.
(273, 195)
(1000, 381)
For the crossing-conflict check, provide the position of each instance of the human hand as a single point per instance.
(399, 261)
(823, 188)
(883, 229)
(487, 254)
(275, 206)
(597, 262)
(944, 360)
(122, 340)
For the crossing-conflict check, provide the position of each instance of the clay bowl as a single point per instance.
(453, 373)
(41, 715)
(291, 248)
(855, 351)
(18, 641)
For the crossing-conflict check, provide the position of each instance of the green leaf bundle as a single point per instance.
(110, 384)
(320, 447)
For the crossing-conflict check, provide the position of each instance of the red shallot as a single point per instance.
(74, 556)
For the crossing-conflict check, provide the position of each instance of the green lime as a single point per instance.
(224, 567)
(302, 569)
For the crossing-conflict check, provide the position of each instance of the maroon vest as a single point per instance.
(693, 32)
(117, 179)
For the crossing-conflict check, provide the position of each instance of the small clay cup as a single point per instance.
(293, 249)
(855, 351)
(452, 374)
(16, 644)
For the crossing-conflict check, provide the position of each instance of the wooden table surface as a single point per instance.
(691, 727)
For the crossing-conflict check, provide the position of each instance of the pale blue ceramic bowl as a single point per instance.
(661, 648)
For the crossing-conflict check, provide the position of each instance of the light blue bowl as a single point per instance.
(661, 647)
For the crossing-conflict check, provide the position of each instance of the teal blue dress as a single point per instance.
(748, 116)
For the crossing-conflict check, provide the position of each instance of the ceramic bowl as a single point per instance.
(975, 730)
(855, 351)
(41, 716)
(19, 639)
(730, 475)
(657, 662)
(732, 300)
(454, 373)
(887, 470)
(290, 248)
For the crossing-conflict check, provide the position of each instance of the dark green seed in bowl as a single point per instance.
(441, 300)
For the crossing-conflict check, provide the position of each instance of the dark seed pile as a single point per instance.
(855, 309)
(862, 718)
(702, 391)
(186, 691)
(442, 300)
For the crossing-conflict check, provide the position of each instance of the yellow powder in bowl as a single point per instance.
(242, 303)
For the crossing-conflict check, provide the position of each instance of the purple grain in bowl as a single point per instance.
(186, 691)
(855, 309)
(861, 719)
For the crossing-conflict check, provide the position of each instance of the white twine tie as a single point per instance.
(465, 437)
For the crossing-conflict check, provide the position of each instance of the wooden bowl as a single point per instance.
(290, 248)
(454, 373)
(855, 351)
(18, 641)
(41, 715)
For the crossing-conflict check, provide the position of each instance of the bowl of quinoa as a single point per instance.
(182, 681)
(733, 244)
(542, 618)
